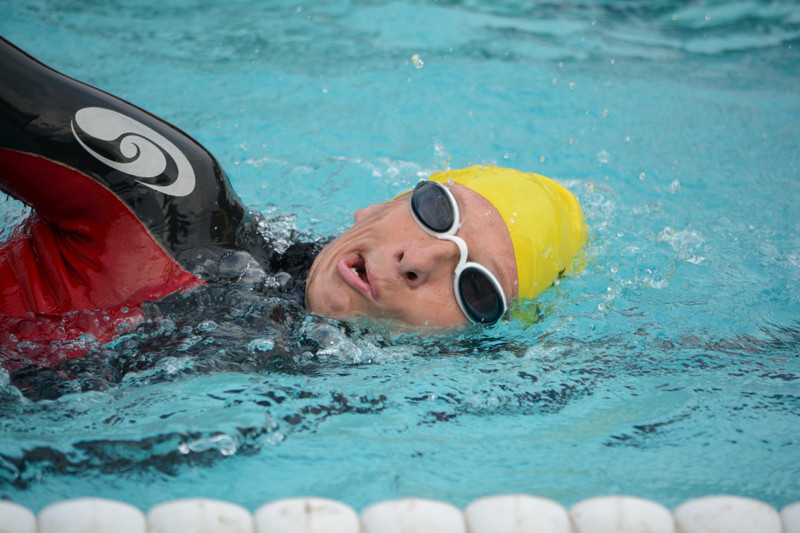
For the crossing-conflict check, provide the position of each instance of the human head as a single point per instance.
(387, 266)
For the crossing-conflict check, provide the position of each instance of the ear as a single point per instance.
(361, 213)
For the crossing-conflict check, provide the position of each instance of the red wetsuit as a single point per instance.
(121, 202)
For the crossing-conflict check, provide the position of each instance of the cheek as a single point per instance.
(319, 286)
(436, 308)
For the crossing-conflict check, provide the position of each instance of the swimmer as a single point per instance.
(127, 209)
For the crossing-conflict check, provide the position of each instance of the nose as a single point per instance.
(418, 264)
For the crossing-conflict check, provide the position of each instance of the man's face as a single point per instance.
(387, 267)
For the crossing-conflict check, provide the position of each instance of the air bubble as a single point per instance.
(642, 175)
(572, 85)
(675, 186)
(207, 325)
(418, 63)
(603, 156)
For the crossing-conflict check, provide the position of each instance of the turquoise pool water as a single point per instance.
(669, 368)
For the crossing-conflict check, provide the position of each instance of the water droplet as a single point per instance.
(605, 112)
(627, 138)
(675, 186)
(603, 156)
(572, 85)
(642, 176)
(505, 156)
(708, 16)
(418, 63)
(326, 89)
(261, 345)
(541, 159)
(555, 81)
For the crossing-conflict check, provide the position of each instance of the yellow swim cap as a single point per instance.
(545, 220)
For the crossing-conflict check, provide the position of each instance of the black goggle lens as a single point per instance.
(479, 296)
(432, 206)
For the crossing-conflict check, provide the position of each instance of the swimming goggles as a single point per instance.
(478, 293)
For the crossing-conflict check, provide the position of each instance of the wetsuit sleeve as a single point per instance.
(81, 248)
(120, 197)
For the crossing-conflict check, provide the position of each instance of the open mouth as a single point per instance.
(359, 270)
(354, 272)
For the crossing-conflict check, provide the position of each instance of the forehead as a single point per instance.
(487, 236)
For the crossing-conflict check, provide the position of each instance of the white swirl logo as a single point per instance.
(143, 147)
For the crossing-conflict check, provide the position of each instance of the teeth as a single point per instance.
(358, 272)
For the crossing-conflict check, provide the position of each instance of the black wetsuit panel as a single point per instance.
(172, 183)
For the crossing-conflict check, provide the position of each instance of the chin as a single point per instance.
(324, 303)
